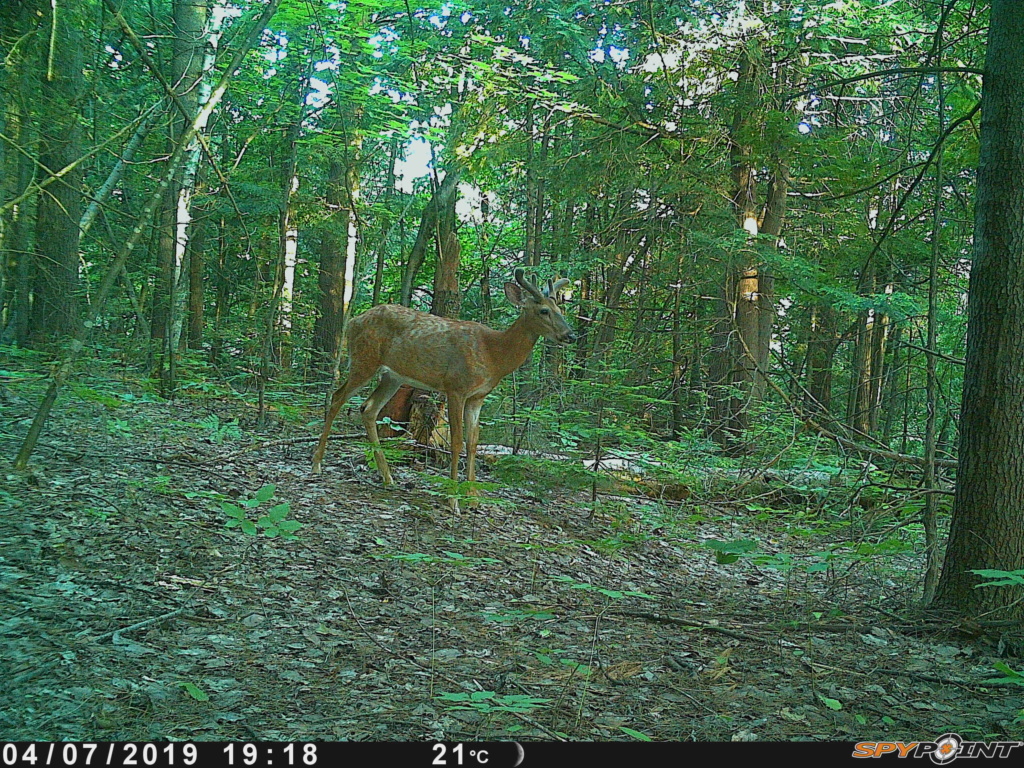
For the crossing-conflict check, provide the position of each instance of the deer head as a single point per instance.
(539, 309)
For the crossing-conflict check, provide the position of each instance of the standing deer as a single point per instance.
(462, 359)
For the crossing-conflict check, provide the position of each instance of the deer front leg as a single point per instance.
(456, 406)
(471, 420)
(357, 377)
(371, 410)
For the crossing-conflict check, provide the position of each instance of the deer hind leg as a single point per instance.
(370, 409)
(357, 377)
(456, 407)
(471, 421)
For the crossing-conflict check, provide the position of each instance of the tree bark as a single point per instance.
(56, 286)
(987, 529)
(442, 200)
(17, 240)
(822, 343)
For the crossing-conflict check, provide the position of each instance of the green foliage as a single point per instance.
(219, 431)
(487, 702)
(194, 691)
(728, 552)
(611, 594)
(638, 735)
(997, 578)
(1010, 675)
(447, 558)
(272, 523)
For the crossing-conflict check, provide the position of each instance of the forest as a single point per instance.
(699, 327)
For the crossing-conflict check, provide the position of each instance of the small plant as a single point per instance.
(119, 428)
(612, 594)
(449, 558)
(271, 524)
(464, 491)
(220, 431)
(728, 552)
(489, 701)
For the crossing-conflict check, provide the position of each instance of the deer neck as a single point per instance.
(517, 343)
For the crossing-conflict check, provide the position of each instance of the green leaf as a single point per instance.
(249, 528)
(232, 510)
(265, 493)
(832, 704)
(635, 734)
(195, 691)
(279, 512)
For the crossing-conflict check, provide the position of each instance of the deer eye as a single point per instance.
(545, 311)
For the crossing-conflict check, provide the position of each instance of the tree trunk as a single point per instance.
(187, 67)
(331, 274)
(385, 224)
(196, 264)
(437, 223)
(447, 299)
(822, 343)
(17, 238)
(279, 344)
(56, 285)
(987, 529)
(442, 200)
(743, 332)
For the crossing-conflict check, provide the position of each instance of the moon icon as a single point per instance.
(522, 754)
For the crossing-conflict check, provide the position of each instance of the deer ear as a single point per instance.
(514, 293)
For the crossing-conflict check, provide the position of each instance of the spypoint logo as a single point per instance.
(947, 748)
(943, 751)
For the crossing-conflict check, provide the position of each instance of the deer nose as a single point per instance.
(568, 337)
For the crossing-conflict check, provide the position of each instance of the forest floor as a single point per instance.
(128, 611)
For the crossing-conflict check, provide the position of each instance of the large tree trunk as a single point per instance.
(331, 274)
(385, 221)
(987, 530)
(56, 286)
(743, 332)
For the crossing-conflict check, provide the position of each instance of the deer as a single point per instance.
(462, 359)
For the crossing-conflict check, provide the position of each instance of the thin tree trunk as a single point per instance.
(17, 239)
(385, 226)
(443, 199)
(103, 193)
(196, 270)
